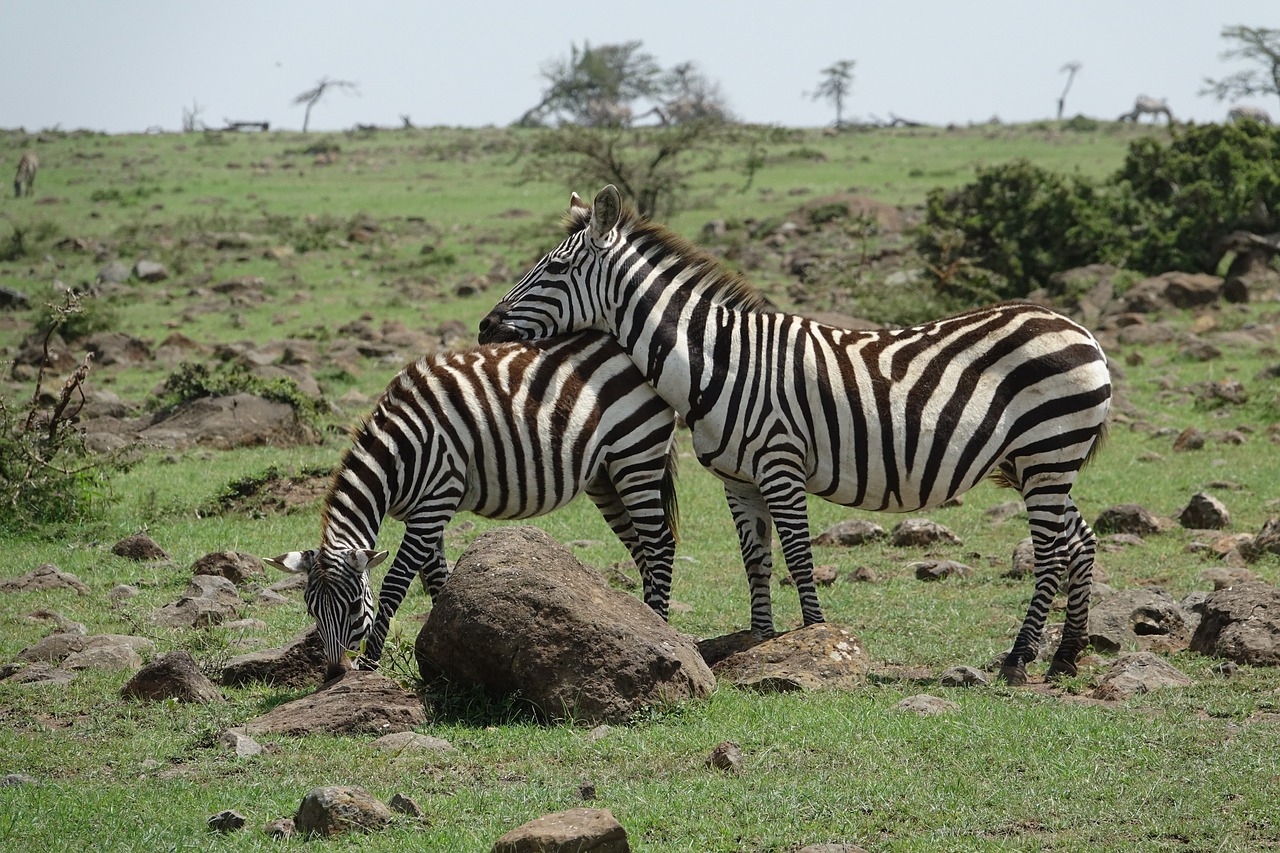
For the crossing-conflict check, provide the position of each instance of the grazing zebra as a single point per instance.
(24, 181)
(505, 431)
(1153, 107)
(780, 405)
(1240, 112)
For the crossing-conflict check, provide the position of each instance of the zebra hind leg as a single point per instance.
(642, 528)
(1081, 546)
(1047, 520)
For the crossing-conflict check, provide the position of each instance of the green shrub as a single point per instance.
(191, 381)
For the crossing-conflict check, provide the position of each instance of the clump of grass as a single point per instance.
(192, 381)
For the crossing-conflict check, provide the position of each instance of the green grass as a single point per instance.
(1012, 770)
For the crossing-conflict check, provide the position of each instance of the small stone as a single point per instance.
(15, 780)
(726, 756)
(921, 532)
(139, 547)
(281, 828)
(587, 791)
(936, 570)
(406, 805)
(1225, 669)
(1204, 512)
(239, 743)
(926, 705)
(962, 676)
(227, 821)
(337, 809)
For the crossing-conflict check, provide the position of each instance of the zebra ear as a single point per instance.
(366, 559)
(575, 200)
(295, 562)
(605, 212)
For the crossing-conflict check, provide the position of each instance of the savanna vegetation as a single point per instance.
(426, 228)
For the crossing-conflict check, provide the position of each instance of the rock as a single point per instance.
(13, 300)
(359, 702)
(208, 600)
(399, 742)
(139, 547)
(115, 272)
(17, 780)
(936, 570)
(240, 743)
(1223, 577)
(962, 676)
(1266, 542)
(150, 271)
(832, 848)
(1138, 673)
(299, 664)
(1241, 623)
(594, 830)
(406, 805)
(1023, 564)
(110, 348)
(337, 809)
(234, 566)
(1204, 512)
(1189, 439)
(172, 676)
(926, 705)
(40, 674)
(1145, 619)
(226, 821)
(224, 423)
(816, 657)
(521, 615)
(62, 624)
(850, 533)
(280, 829)
(726, 756)
(921, 533)
(103, 651)
(43, 577)
(1127, 518)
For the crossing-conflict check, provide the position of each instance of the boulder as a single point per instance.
(816, 657)
(301, 663)
(75, 651)
(595, 830)
(208, 600)
(850, 533)
(1138, 673)
(234, 566)
(1241, 623)
(1204, 512)
(520, 615)
(44, 577)
(1145, 619)
(921, 533)
(358, 702)
(171, 676)
(223, 423)
(1128, 518)
(337, 809)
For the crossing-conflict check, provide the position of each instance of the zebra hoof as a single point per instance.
(1014, 674)
(1061, 668)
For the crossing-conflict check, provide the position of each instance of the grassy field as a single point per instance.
(1014, 769)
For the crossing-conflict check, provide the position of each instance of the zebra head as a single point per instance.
(566, 290)
(338, 595)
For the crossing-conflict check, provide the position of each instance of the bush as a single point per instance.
(191, 381)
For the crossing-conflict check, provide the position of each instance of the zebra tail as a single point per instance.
(1003, 476)
(670, 501)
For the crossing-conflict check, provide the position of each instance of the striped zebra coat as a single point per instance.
(780, 406)
(505, 431)
(24, 179)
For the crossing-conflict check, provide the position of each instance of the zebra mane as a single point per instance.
(720, 284)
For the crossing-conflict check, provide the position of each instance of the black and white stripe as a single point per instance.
(1241, 112)
(1146, 105)
(506, 431)
(24, 179)
(781, 406)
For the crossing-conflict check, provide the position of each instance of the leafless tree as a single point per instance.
(836, 84)
(312, 96)
(1071, 68)
(191, 118)
(1258, 45)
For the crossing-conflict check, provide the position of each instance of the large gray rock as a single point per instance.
(572, 831)
(1145, 619)
(360, 702)
(1241, 623)
(816, 657)
(520, 615)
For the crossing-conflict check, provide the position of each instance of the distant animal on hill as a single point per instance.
(1153, 107)
(1240, 112)
(24, 181)
(504, 431)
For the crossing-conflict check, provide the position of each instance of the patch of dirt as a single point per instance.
(274, 493)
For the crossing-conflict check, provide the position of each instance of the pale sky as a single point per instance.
(129, 65)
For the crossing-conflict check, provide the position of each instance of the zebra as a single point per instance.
(1240, 112)
(24, 180)
(1144, 105)
(506, 431)
(780, 405)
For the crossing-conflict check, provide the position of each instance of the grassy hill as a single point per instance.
(427, 228)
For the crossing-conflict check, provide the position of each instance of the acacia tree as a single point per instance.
(595, 86)
(312, 96)
(1071, 68)
(1258, 45)
(836, 84)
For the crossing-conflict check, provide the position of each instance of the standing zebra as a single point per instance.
(505, 431)
(780, 405)
(1240, 112)
(24, 180)
(1153, 107)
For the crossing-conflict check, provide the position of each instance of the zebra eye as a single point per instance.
(557, 267)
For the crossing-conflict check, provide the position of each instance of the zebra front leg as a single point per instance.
(755, 538)
(791, 516)
(1075, 633)
(1051, 560)
(419, 548)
